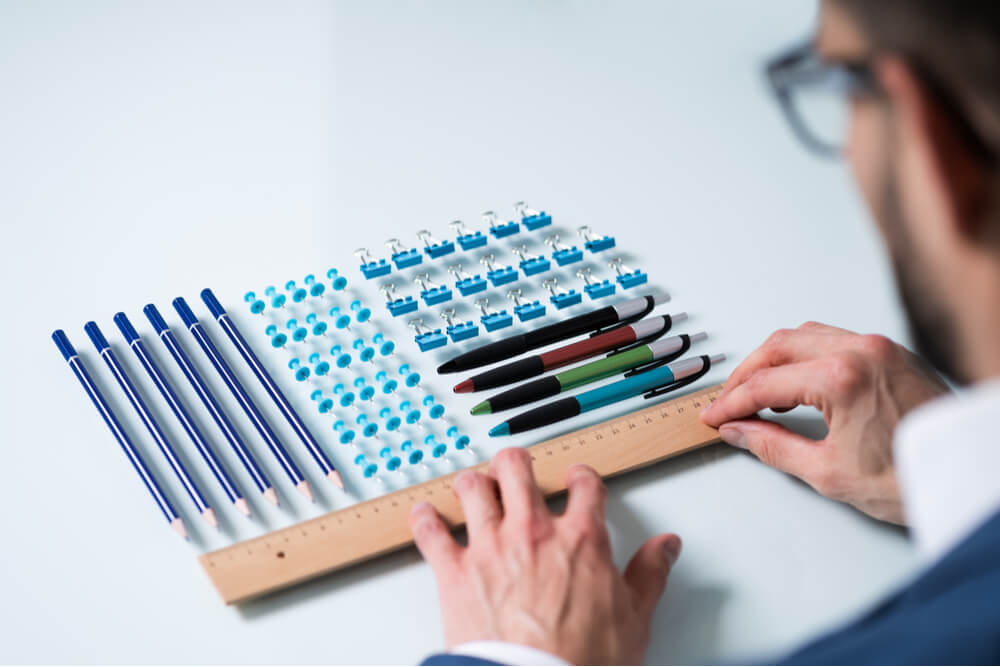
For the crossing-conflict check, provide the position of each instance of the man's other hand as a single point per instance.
(863, 385)
(539, 580)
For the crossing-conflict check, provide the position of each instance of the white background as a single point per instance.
(149, 150)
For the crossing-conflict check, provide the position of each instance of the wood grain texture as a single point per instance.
(363, 531)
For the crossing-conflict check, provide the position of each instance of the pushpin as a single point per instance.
(370, 267)
(412, 378)
(299, 333)
(397, 305)
(369, 470)
(402, 256)
(365, 351)
(500, 230)
(346, 397)
(257, 306)
(461, 441)
(366, 392)
(316, 289)
(431, 292)
(337, 281)
(341, 358)
(595, 289)
(319, 327)
(627, 277)
(497, 276)
(278, 339)
(410, 414)
(277, 300)
(361, 314)
(561, 299)
(434, 410)
(392, 462)
(301, 372)
(324, 405)
(392, 422)
(594, 242)
(385, 347)
(531, 264)
(426, 339)
(415, 456)
(389, 385)
(530, 218)
(369, 428)
(435, 247)
(346, 434)
(458, 331)
(562, 253)
(298, 294)
(493, 320)
(466, 283)
(340, 320)
(438, 449)
(528, 310)
(467, 240)
(320, 368)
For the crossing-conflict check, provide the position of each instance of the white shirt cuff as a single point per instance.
(507, 653)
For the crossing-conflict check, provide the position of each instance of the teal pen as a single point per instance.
(651, 383)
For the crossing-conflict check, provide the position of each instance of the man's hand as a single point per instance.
(539, 580)
(862, 384)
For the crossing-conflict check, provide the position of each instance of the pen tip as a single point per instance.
(178, 525)
(447, 367)
(500, 429)
(481, 409)
(271, 495)
(209, 516)
(304, 489)
(334, 477)
(463, 387)
(242, 506)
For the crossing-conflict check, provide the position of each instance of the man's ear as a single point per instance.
(957, 175)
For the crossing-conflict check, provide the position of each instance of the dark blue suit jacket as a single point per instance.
(948, 615)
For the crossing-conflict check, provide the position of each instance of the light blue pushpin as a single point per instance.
(411, 414)
(366, 392)
(319, 367)
(438, 449)
(301, 372)
(340, 320)
(341, 358)
(257, 306)
(414, 455)
(412, 378)
(392, 422)
(365, 352)
(299, 333)
(323, 404)
(461, 441)
(392, 462)
(318, 325)
(346, 434)
(436, 410)
(385, 347)
(362, 314)
(369, 470)
(346, 397)
(369, 428)
(277, 339)
(277, 300)
(337, 281)
(389, 386)
(298, 294)
(315, 288)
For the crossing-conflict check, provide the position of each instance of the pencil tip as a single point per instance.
(209, 515)
(304, 489)
(464, 387)
(483, 408)
(243, 506)
(271, 495)
(334, 477)
(447, 367)
(178, 525)
(500, 429)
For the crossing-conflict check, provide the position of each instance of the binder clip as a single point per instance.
(493, 320)
(401, 256)
(431, 292)
(370, 267)
(460, 331)
(627, 277)
(426, 338)
(397, 305)
(467, 240)
(562, 253)
(527, 310)
(435, 247)
(595, 289)
(530, 218)
(561, 299)
(500, 230)
(466, 283)
(498, 277)
(531, 264)
(593, 242)
(702, 363)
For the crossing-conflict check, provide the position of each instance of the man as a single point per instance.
(920, 80)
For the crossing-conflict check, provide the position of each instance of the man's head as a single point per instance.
(924, 145)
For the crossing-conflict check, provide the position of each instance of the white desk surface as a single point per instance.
(152, 150)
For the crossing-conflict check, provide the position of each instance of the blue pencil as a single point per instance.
(74, 361)
(242, 397)
(180, 411)
(272, 389)
(104, 349)
(211, 404)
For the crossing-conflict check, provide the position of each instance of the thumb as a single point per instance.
(773, 444)
(646, 574)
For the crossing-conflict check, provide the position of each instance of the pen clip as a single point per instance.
(685, 346)
(706, 363)
(650, 304)
(668, 323)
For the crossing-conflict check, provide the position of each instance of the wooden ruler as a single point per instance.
(336, 540)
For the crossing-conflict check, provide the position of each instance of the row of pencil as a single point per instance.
(207, 398)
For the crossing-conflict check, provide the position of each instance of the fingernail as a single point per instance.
(672, 549)
(419, 507)
(733, 436)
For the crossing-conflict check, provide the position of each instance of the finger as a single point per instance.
(784, 346)
(776, 446)
(478, 495)
(522, 499)
(587, 493)
(433, 539)
(781, 387)
(647, 572)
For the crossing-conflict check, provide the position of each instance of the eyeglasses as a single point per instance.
(815, 96)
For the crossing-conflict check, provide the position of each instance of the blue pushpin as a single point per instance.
(438, 449)
(530, 218)
(365, 352)
(278, 339)
(627, 277)
(435, 247)
(426, 338)
(410, 414)
(361, 314)
(346, 397)
(341, 358)
(497, 275)
(340, 320)
(346, 434)
(499, 229)
(562, 253)
(467, 240)
(337, 281)
(320, 368)
(531, 264)
(493, 320)
(595, 242)
(385, 347)
(595, 289)
(257, 306)
(461, 441)
(435, 410)
(324, 405)
(392, 462)
(465, 282)
(277, 300)
(389, 385)
(319, 327)
(370, 267)
(298, 294)
(431, 292)
(403, 257)
(392, 422)
(412, 378)
(458, 331)
(366, 392)
(316, 289)
(301, 372)
(299, 333)
(526, 310)
(369, 428)
(415, 456)
(561, 299)
(369, 470)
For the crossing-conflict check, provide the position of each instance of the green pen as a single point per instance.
(663, 350)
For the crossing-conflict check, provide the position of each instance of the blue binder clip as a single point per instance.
(435, 247)
(531, 264)
(525, 310)
(426, 338)
(403, 257)
(627, 277)
(595, 289)
(593, 242)
(370, 267)
(497, 276)
(498, 229)
(458, 331)
(431, 292)
(397, 305)
(530, 218)
(467, 240)
(493, 320)
(562, 253)
(561, 299)
(466, 283)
